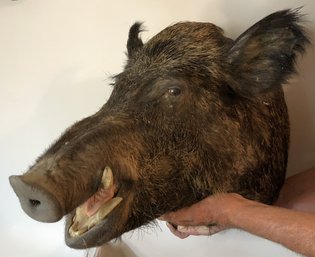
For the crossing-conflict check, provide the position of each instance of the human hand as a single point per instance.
(185, 231)
(206, 217)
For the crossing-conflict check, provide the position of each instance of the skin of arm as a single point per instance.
(298, 192)
(293, 228)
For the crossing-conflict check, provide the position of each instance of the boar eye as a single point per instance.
(174, 91)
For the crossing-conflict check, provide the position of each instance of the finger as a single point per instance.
(181, 217)
(195, 215)
(199, 230)
(176, 232)
(194, 230)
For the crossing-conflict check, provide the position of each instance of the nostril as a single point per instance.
(38, 202)
(34, 203)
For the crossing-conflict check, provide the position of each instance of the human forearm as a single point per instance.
(295, 230)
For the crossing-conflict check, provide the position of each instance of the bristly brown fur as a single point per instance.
(193, 113)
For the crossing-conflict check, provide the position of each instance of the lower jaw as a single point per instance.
(88, 239)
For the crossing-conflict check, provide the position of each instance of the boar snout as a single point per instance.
(36, 201)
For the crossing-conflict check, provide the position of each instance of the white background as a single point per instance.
(55, 58)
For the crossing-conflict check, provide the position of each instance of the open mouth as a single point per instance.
(97, 207)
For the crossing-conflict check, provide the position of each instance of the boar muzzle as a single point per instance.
(36, 201)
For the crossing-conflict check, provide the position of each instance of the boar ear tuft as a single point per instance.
(134, 43)
(263, 57)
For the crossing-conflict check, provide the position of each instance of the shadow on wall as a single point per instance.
(4, 3)
(300, 97)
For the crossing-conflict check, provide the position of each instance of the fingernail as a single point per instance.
(182, 229)
(203, 230)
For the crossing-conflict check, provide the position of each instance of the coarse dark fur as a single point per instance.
(193, 113)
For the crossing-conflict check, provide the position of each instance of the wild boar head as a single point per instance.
(193, 113)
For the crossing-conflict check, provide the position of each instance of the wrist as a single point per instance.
(233, 206)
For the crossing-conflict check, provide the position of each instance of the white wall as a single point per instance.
(55, 57)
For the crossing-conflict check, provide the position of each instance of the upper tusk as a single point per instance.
(107, 178)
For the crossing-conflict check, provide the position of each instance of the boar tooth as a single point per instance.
(108, 207)
(107, 178)
(83, 223)
(104, 211)
(76, 228)
(74, 233)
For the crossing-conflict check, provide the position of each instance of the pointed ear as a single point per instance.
(134, 43)
(263, 57)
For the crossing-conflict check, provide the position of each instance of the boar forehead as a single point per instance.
(186, 53)
(186, 41)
